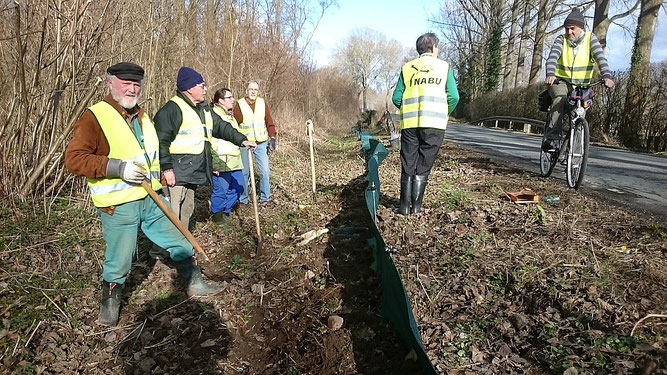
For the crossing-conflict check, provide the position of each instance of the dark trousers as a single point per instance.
(419, 148)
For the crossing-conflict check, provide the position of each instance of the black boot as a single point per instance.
(158, 253)
(110, 305)
(418, 187)
(406, 194)
(193, 279)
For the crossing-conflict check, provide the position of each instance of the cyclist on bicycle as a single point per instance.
(572, 57)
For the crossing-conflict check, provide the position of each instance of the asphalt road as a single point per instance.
(629, 178)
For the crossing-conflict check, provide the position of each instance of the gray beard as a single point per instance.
(125, 103)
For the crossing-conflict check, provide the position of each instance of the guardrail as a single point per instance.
(526, 124)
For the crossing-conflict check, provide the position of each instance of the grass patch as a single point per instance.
(289, 221)
(31, 305)
(480, 238)
(498, 285)
(525, 272)
(452, 197)
(459, 262)
(470, 333)
(238, 263)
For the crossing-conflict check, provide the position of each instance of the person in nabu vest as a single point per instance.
(426, 94)
(572, 56)
(116, 147)
(227, 165)
(255, 121)
(186, 126)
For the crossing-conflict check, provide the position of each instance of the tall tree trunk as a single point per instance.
(278, 25)
(523, 41)
(631, 134)
(601, 21)
(510, 68)
(543, 15)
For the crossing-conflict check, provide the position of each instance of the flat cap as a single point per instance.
(127, 71)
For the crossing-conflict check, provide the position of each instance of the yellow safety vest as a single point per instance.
(111, 191)
(192, 135)
(254, 123)
(577, 68)
(229, 153)
(424, 102)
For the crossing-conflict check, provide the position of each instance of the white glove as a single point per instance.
(131, 172)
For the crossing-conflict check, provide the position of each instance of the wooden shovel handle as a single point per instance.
(170, 214)
(309, 126)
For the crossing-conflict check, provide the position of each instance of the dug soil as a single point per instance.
(495, 287)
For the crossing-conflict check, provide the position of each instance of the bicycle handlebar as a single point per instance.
(598, 82)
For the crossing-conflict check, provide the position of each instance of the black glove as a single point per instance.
(272, 144)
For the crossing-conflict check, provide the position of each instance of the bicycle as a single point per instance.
(576, 137)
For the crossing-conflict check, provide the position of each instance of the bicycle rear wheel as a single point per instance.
(547, 161)
(577, 156)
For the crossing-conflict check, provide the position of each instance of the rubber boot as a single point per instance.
(218, 217)
(406, 195)
(193, 279)
(418, 187)
(158, 253)
(222, 219)
(110, 304)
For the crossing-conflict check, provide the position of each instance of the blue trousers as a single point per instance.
(120, 234)
(261, 159)
(227, 188)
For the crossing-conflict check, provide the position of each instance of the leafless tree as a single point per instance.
(370, 59)
(634, 134)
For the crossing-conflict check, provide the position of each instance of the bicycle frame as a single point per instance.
(579, 101)
(580, 98)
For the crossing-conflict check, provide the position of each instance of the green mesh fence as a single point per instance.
(396, 308)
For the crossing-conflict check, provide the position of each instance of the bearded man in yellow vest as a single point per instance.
(116, 147)
(186, 126)
(572, 57)
(255, 121)
(426, 94)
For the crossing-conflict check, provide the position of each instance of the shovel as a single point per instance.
(170, 214)
(309, 130)
(254, 201)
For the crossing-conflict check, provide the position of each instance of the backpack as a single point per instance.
(544, 101)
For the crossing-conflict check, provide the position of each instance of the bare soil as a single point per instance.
(495, 287)
(498, 287)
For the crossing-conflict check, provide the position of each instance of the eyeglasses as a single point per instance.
(227, 97)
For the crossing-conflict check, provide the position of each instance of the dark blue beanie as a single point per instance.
(187, 78)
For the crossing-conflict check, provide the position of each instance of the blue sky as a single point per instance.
(406, 20)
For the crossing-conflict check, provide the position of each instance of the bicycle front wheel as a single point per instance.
(547, 161)
(577, 155)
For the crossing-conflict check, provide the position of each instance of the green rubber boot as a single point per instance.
(110, 304)
(193, 279)
(223, 220)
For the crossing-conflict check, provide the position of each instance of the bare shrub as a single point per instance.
(51, 54)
